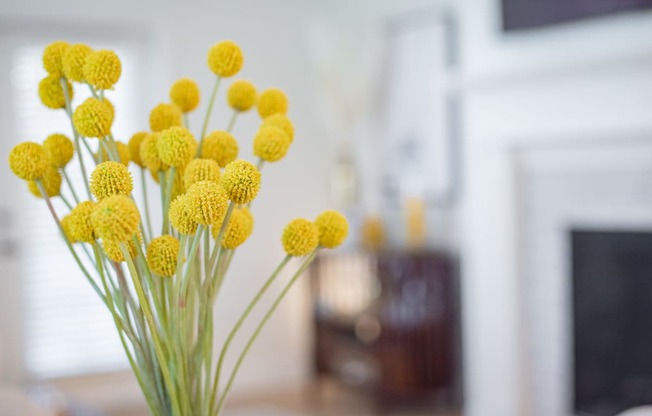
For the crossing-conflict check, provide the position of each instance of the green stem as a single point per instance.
(207, 117)
(65, 201)
(166, 199)
(64, 85)
(232, 121)
(69, 182)
(143, 180)
(218, 241)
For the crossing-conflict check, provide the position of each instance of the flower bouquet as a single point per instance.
(160, 281)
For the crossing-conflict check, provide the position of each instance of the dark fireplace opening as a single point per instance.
(612, 320)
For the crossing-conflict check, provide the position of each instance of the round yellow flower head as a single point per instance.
(114, 252)
(239, 228)
(51, 92)
(176, 146)
(181, 217)
(92, 118)
(65, 224)
(162, 253)
(241, 181)
(74, 60)
(29, 161)
(110, 178)
(221, 147)
(281, 121)
(59, 150)
(225, 58)
(300, 237)
(241, 95)
(185, 94)
(201, 170)
(51, 182)
(110, 108)
(102, 69)
(207, 202)
(79, 220)
(149, 154)
(115, 218)
(164, 116)
(271, 143)
(134, 147)
(333, 228)
(272, 101)
(53, 56)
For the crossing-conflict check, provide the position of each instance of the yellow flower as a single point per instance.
(110, 178)
(300, 237)
(114, 252)
(65, 224)
(162, 253)
(164, 116)
(79, 220)
(110, 108)
(92, 118)
(281, 121)
(134, 147)
(241, 181)
(176, 146)
(201, 170)
(51, 182)
(74, 60)
(28, 161)
(181, 217)
(333, 228)
(373, 233)
(185, 94)
(149, 154)
(207, 202)
(102, 69)
(178, 186)
(241, 95)
(123, 153)
(52, 58)
(59, 150)
(271, 143)
(115, 218)
(225, 58)
(272, 101)
(239, 228)
(220, 146)
(51, 92)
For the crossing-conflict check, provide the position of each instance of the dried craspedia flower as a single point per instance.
(176, 146)
(149, 154)
(225, 58)
(115, 218)
(333, 228)
(59, 149)
(271, 143)
(181, 217)
(79, 220)
(110, 108)
(102, 69)
(300, 237)
(53, 58)
(164, 116)
(239, 228)
(51, 181)
(74, 60)
(28, 160)
(178, 185)
(272, 101)
(241, 95)
(280, 121)
(185, 94)
(207, 202)
(162, 253)
(201, 170)
(111, 178)
(65, 224)
(134, 147)
(221, 147)
(51, 92)
(92, 118)
(241, 181)
(114, 252)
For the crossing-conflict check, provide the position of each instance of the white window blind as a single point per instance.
(67, 328)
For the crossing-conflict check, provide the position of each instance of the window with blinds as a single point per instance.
(67, 330)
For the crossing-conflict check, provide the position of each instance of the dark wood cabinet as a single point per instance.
(388, 323)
